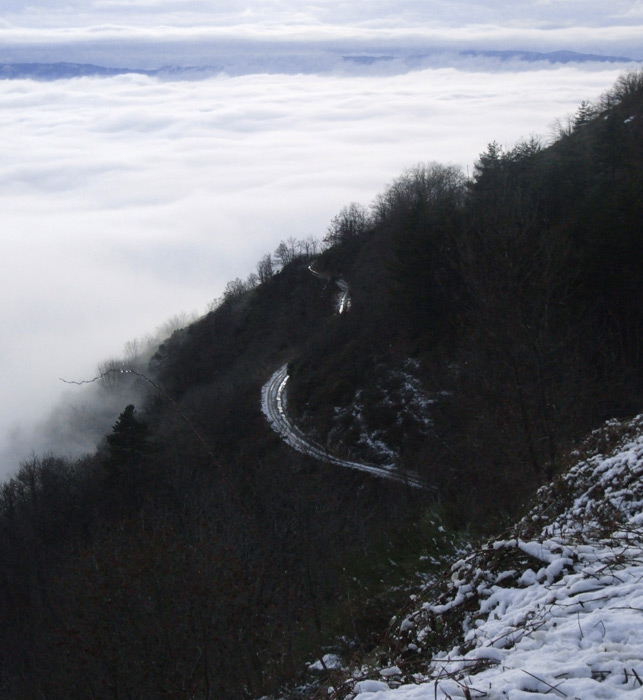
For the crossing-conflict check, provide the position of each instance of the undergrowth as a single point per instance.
(592, 503)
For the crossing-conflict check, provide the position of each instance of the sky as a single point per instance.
(130, 199)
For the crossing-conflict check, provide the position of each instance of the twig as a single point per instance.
(544, 682)
(467, 690)
(600, 622)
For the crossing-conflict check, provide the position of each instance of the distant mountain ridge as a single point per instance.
(551, 57)
(59, 71)
(269, 64)
(64, 71)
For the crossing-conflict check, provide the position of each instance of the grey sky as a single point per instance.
(378, 13)
(196, 28)
(127, 200)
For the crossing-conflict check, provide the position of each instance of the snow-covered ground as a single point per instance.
(395, 404)
(554, 609)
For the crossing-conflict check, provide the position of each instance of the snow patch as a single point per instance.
(554, 611)
(328, 662)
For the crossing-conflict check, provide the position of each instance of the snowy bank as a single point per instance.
(554, 609)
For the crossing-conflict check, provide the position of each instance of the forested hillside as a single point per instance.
(493, 322)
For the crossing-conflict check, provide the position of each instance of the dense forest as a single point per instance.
(494, 320)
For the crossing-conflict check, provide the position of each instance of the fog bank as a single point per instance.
(126, 200)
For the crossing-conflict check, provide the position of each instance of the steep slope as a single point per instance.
(550, 609)
(516, 297)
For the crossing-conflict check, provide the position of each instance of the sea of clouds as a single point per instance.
(127, 200)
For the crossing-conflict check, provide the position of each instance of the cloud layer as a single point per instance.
(129, 199)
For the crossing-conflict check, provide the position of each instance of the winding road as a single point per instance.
(274, 404)
(274, 407)
(344, 299)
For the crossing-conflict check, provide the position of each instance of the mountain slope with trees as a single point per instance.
(494, 321)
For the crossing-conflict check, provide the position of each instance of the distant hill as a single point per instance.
(60, 71)
(396, 61)
(550, 57)
(64, 71)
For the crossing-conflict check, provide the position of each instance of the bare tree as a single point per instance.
(252, 280)
(234, 288)
(309, 247)
(352, 221)
(282, 255)
(265, 268)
